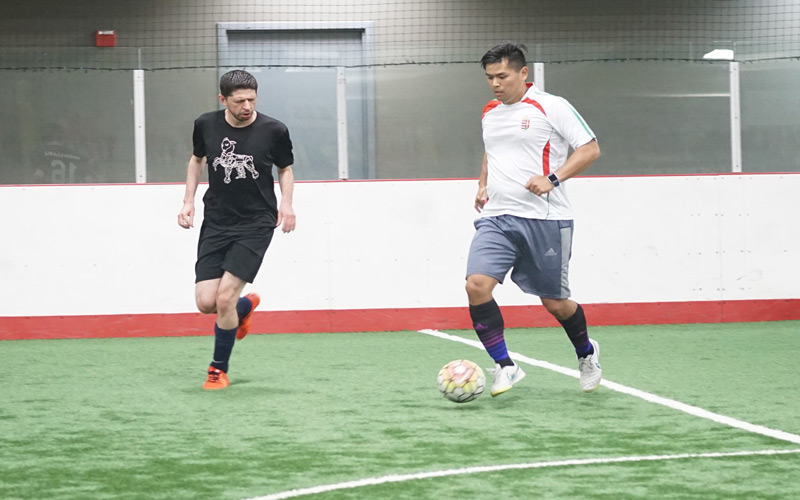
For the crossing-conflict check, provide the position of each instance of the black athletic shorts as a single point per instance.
(238, 251)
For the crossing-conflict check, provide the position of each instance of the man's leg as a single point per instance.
(243, 261)
(226, 295)
(570, 314)
(488, 323)
(205, 295)
(487, 318)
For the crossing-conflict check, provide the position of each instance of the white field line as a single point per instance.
(652, 398)
(399, 478)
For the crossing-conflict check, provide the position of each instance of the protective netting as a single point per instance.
(398, 79)
(190, 34)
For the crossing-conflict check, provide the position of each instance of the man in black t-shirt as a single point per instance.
(240, 146)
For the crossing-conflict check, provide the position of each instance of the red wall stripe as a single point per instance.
(367, 320)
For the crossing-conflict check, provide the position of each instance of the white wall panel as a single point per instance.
(644, 239)
(117, 249)
(761, 239)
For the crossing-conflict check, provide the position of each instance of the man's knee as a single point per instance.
(226, 300)
(561, 309)
(205, 296)
(473, 286)
(479, 288)
(206, 305)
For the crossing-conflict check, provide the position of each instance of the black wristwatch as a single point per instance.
(554, 179)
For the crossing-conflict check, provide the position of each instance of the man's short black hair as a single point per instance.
(510, 51)
(236, 80)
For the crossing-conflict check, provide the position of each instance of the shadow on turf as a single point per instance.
(485, 400)
(241, 386)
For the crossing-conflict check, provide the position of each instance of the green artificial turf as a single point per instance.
(126, 418)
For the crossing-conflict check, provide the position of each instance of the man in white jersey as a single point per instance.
(525, 223)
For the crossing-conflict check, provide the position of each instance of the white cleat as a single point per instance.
(505, 377)
(591, 373)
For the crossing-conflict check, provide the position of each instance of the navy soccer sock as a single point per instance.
(223, 345)
(488, 323)
(243, 306)
(578, 334)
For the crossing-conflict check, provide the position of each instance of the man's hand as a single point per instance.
(186, 215)
(286, 218)
(481, 198)
(539, 185)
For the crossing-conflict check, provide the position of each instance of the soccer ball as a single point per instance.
(461, 381)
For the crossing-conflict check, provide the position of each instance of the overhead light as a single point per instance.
(720, 55)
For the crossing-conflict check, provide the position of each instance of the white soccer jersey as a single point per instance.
(527, 138)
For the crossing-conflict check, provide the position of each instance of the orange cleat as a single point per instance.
(244, 323)
(217, 379)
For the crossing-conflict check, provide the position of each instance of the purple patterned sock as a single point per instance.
(488, 323)
(578, 334)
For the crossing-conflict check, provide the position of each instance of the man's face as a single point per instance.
(507, 83)
(241, 104)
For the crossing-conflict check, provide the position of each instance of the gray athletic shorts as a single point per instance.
(538, 251)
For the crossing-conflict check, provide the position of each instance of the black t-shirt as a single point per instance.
(241, 190)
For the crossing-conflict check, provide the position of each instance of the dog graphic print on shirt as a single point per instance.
(230, 161)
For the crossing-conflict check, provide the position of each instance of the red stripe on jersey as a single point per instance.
(489, 107)
(530, 101)
(546, 159)
(546, 150)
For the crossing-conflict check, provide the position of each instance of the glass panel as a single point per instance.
(305, 97)
(770, 116)
(651, 117)
(428, 121)
(360, 139)
(173, 100)
(68, 126)
(305, 100)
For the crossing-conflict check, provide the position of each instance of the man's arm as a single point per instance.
(285, 211)
(579, 160)
(193, 172)
(481, 198)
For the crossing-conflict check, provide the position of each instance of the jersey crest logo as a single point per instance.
(230, 161)
(526, 123)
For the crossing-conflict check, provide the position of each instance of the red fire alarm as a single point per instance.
(105, 38)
